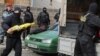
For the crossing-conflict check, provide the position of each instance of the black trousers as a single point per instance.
(84, 46)
(12, 43)
(26, 32)
(2, 39)
(2, 35)
(78, 51)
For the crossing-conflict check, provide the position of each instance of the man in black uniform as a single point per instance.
(43, 18)
(84, 42)
(28, 18)
(6, 13)
(13, 38)
(43, 22)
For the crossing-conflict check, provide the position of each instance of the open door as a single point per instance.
(9, 2)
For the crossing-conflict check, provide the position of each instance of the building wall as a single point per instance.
(18, 2)
(56, 4)
(2, 1)
(22, 2)
(63, 15)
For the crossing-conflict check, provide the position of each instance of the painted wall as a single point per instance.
(63, 15)
(56, 4)
(2, 1)
(22, 2)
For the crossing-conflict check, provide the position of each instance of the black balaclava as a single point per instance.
(18, 13)
(93, 8)
(44, 9)
(28, 9)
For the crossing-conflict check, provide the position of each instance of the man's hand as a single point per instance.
(10, 31)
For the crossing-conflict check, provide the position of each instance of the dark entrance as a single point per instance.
(75, 8)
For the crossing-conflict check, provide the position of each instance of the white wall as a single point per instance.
(56, 4)
(63, 14)
(22, 2)
(2, 1)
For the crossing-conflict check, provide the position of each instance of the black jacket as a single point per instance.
(6, 14)
(28, 18)
(91, 25)
(92, 21)
(43, 18)
(10, 22)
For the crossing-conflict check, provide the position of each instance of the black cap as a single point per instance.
(17, 9)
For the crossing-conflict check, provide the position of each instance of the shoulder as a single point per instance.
(93, 16)
(40, 13)
(25, 12)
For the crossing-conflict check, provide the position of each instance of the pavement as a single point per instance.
(25, 51)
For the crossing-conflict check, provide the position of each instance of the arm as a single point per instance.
(3, 14)
(38, 18)
(55, 17)
(6, 24)
(94, 20)
(32, 16)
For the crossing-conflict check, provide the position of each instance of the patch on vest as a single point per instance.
(83, 18)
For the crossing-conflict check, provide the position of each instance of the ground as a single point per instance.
(25, 52)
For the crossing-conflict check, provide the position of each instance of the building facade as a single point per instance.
(51, 4)
(16, 2)
(1, 1)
